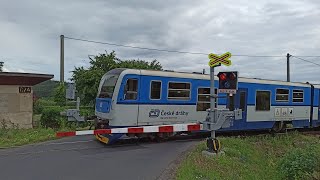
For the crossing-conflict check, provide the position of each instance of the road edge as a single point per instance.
(170, 172)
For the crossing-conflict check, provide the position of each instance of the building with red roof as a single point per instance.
(16, 98)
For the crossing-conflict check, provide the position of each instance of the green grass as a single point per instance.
(17, 137)
(258, 157)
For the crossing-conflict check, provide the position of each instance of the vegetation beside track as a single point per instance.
(283, 156)
(14, 136)
(17, 137)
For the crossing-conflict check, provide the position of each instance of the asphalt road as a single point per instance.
(82, 157)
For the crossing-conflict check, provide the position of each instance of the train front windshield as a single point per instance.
(108, 83)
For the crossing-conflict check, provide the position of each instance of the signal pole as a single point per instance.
(1, 65)
(62, 59)
(212, 101)
(288, 67)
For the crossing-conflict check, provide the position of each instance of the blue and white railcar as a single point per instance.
(130, 97)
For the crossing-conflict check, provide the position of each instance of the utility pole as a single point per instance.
(62, 59)
(288, 67)
(1, 65)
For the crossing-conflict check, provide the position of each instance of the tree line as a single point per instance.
(87, 79)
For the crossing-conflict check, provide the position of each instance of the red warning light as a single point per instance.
(223, 76)
(232, 76)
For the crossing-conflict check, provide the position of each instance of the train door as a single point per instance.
(130, 100)
(318, 107)
(239, 102)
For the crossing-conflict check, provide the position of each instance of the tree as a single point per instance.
(87, 80)
(60, 95)
(45, 89)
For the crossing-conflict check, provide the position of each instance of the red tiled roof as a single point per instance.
(27, 79)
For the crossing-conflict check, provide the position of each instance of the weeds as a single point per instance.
(290, 156)
(16, 137)
(299, 163)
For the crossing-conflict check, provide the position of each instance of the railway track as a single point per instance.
(128, 141)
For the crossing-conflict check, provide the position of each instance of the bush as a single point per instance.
(51, 117)
(60, 95)
(86, 111)
(299, 163)
(40, 104)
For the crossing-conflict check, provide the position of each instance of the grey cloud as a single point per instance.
(30, 33)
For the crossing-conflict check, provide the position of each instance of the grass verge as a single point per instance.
(289, 156)
(17, 137)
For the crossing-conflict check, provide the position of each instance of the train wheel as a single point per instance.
(278, 127)
(161, 137)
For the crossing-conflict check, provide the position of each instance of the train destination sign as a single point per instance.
(216, 59)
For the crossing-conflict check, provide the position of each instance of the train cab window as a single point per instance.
(131, 89)
(297, 95)
(155, 90)
(203, 102)
(179, 91)
(282, 95)
(107, 86)
(263, 101)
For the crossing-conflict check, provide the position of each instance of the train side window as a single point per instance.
(179, 91)
(297, 95)
(131, 89)
(155, 90)
(282, 95)
(263, 101)
(203, 102)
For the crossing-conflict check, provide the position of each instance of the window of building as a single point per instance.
(179, 91)
(155, 90)
(263, 101)
(282, 95)
(203, 102)
(131, 89)
(297, 95)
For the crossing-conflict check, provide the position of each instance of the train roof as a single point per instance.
(207, 77)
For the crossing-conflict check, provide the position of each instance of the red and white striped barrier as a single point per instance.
(136, 130)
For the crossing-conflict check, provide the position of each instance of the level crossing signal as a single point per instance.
(228, 82)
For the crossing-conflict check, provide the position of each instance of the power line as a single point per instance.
(308, 56)
(135, 47)
(306, 60)
(162, 50)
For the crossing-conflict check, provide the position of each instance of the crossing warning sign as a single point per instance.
(223, 59)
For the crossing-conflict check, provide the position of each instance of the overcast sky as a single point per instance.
(30, 30)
